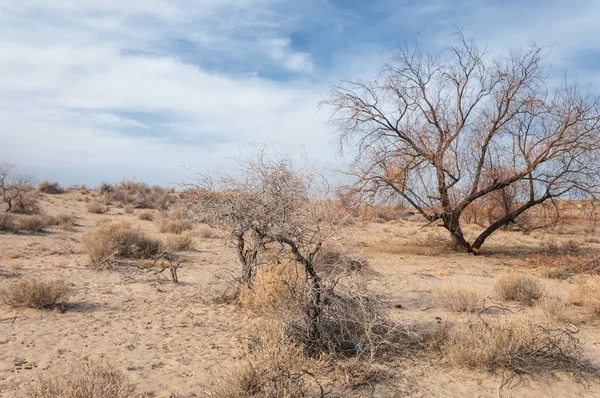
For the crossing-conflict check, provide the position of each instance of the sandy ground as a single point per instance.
(172, 340)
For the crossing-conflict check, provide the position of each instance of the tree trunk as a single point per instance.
(504, 221)
(452, 224)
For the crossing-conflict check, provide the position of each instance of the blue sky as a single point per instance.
(95, 91)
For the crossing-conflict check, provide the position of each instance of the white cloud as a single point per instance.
(75, 103)
(280, 50)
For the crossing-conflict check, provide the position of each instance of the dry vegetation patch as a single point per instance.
(146, 215)
(128, 209)
(174, 226)
(14, 223)
(460, 299)
(181, 242)
(118, 239)
(515, 344)
(52, 188)
(36, 294)
(97, 208)
(516, 287)
(88, 379)
(587, 293)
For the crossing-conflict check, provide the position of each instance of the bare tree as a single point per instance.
(440, 132)
(13, 190)
(273, 212)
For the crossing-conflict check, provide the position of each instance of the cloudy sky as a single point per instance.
(97, 90)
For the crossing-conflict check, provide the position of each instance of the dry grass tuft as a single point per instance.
(331, 261)
(97, 208)
(34, 294)
(206, 232)
(272, 370)
(174, 226)
(460, 299)
(521, 288)
(587, 293)
(515, 344)
(181, 242)
(118, 239)
(556, 310)
(88, 379)
(275, 289)
(128, 209)
(146, 215)
(24, 223)
(64, 221)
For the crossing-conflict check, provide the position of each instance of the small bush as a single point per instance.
(34, 294)
(587, 293)
(174, 226)
(274, 289)
(24, 223)
(271, 370)
(118, 239)
(181, 242)
(460, 299)
(97, 208)
(515, 344)
(88, 379)
(64, 221)
(557, 310)
(52, 188)
(128, 209)
(515, 287)
(206, 232)
(146, 215)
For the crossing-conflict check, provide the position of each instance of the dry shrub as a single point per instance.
(52, 188)
(206, 232)
(146, 215)
(587, 293)
(128, 209)
(515, 344)
(564, 264)
(274, 289)
(181, 242)
(23, 223)
(360, 372)
(521, 288)
(87, 379)
(97, 208)
(460, 299)
(64, 221)
(118, 239)
(138, 194)
(556, 309)
(34, 294)
(272, 370)
(174, 226)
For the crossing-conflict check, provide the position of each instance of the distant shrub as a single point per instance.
(556, 309)
(180, 242)
(460, 299)
(146, 215)
(174, 226)
(23, 223)
(139, 195)
(34, 294)
(88, 379)
(118, 239)
(64, 221)
(128, 209)
(52, 188)
(206, 232)
(521, 288)
(105, 188)
(97, 208)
